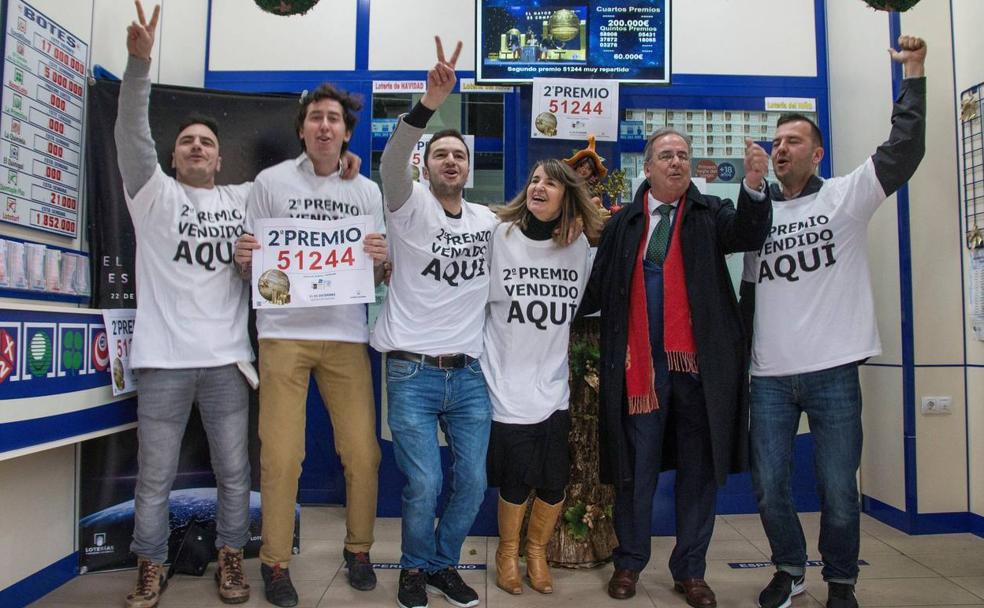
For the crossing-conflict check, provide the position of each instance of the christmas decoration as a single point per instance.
(891, 5)
(286, 7)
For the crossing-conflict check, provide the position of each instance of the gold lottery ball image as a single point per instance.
(274, 286)
(118, 378)
(564, 25)
(546, 123)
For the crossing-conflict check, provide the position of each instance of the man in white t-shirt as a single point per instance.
(190, 332)
(430, 327)
(328, 342)
(814, 323)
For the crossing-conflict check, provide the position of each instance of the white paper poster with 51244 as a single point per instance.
(303, 263)
(566, 108)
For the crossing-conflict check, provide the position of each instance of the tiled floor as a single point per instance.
(901, 570)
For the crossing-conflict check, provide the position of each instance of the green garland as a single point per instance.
(286, 7)
(891, 5)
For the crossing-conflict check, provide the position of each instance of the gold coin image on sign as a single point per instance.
(274, 286)
(118, 378)
(546, 123)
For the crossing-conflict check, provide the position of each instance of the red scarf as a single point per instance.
(678, 333)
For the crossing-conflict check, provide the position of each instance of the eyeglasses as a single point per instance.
(668, 156)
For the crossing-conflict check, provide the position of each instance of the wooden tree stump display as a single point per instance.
(584, 536)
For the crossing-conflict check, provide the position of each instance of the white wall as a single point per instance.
(969, 71)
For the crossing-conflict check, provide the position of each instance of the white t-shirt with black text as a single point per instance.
(192, 306)
(291, 189)
(440, 283)
(535, 290)
(814, 308)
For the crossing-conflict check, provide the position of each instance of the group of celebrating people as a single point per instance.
(475, 329)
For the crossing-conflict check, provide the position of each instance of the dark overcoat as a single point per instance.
(711, 228)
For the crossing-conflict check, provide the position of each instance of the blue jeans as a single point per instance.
(831, 399)
(420, 398)
(163, 407)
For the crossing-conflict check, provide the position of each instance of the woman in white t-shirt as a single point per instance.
(537, 280)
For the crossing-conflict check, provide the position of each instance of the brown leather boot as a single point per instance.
(542, 521)
(229, 576)
(507, 555)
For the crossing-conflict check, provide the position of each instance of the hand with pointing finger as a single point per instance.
(441, 78)
(140, 35)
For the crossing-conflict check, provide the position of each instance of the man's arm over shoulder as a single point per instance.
(897, 159)
(394, 166)
(135, 151)
(603, 260)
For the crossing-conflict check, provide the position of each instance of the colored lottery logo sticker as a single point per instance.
(39, 354)
(100, 352)
(8, 353)
(726, 172)
(707, 169)
(71, 355)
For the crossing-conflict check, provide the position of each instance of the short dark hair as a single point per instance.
(797, 117)
(441, 135)
(350, 106)
(196, 118)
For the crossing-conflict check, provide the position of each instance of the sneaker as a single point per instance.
(412, 593)
(233, 588)
(151, 583)
(360, 572)
(779, 593)
(279, 590)
(448, 583)
(841, 595)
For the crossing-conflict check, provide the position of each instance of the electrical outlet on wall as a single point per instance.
(936, 405)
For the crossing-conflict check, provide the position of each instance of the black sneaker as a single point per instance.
(412, 593)
(279, 590)
(360, 572)
(841, 595)
(779, 593)
(448, 583)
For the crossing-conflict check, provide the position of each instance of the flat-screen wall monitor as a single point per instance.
(627, 40)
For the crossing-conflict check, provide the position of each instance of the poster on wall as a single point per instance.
(573, 109)
(304, 263)
(628, 40)
(44, 85)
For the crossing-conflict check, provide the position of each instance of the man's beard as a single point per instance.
(442, 189)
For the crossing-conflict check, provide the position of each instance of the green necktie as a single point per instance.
(656, 252)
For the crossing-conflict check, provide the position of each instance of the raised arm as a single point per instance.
(394, 166)
(135, 151)
(897, 159)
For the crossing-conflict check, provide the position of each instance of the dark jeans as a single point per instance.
(682, 403)
(831, 399)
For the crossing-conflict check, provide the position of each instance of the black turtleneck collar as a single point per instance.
(540, 231)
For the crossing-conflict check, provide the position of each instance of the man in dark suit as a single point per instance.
(673, 362)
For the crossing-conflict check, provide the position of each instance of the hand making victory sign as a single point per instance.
(441, 78)
(140, 36)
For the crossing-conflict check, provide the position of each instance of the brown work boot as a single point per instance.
(151, 583)
(543, 517)
(229, 576)
(507, 555)
(697, 591)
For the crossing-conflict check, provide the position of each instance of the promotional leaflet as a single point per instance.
(119, 331)
(302, 263)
